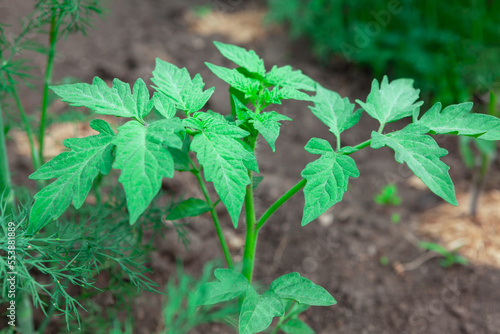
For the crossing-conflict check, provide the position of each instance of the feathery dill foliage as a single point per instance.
(73, 252)
(57, 19)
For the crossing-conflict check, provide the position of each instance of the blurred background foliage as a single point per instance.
(451, 47)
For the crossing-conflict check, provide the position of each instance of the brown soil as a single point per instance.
(342, 250)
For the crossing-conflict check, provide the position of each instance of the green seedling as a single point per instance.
(450, 257)
(384, 260)
(388, 196)
(395, 218)
(221, 149)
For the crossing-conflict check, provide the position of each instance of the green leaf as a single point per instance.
(421, 153)
(237, 100)
(247, 59)
(432, 246)
(277, 94)
(256, 180)
(118, 100)
(75, 171)
(391, 101)
(334, 111)
(241, 111)
(144, 159)
(296, 326)
(303, 291)
(164, 105)
(191, 207)
(267, 123)
(225, 160)
(181, 156)
(457, 119)
(249, 86)
(231, 285)
(327, 179)
(257, 312)
(176, 84)
(286, 77)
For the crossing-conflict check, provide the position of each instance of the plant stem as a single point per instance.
(251, 234)
(358, 147)
(295, 189)
(54, 27)
(25, 314)
(381, 128)
(285, 317)
(478, 184)
(5, 181)
(215, 218)
(493, 103)
(27, 127)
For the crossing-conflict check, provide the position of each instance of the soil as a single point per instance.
(341, 251)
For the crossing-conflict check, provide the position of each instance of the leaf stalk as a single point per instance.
(215, 217)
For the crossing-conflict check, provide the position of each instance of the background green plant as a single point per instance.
(478, 155)
(449, 47)
(181, 311)
(388, 196)
(57, 19)
(449, 257)
(147, 149)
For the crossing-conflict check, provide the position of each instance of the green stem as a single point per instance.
(5, 181)
(493, 103)
(25, 314)
(381, 128)
(215, 218)
(287, 315)
(251, 234)
(54, 27)
(295, 189)
(358, 147)
(27, 127)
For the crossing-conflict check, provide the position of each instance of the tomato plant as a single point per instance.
(221, 149)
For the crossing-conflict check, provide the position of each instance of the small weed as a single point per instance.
(388, 196)
(395, 218)
(450, 257)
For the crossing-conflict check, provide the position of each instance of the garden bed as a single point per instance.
(342, 250)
